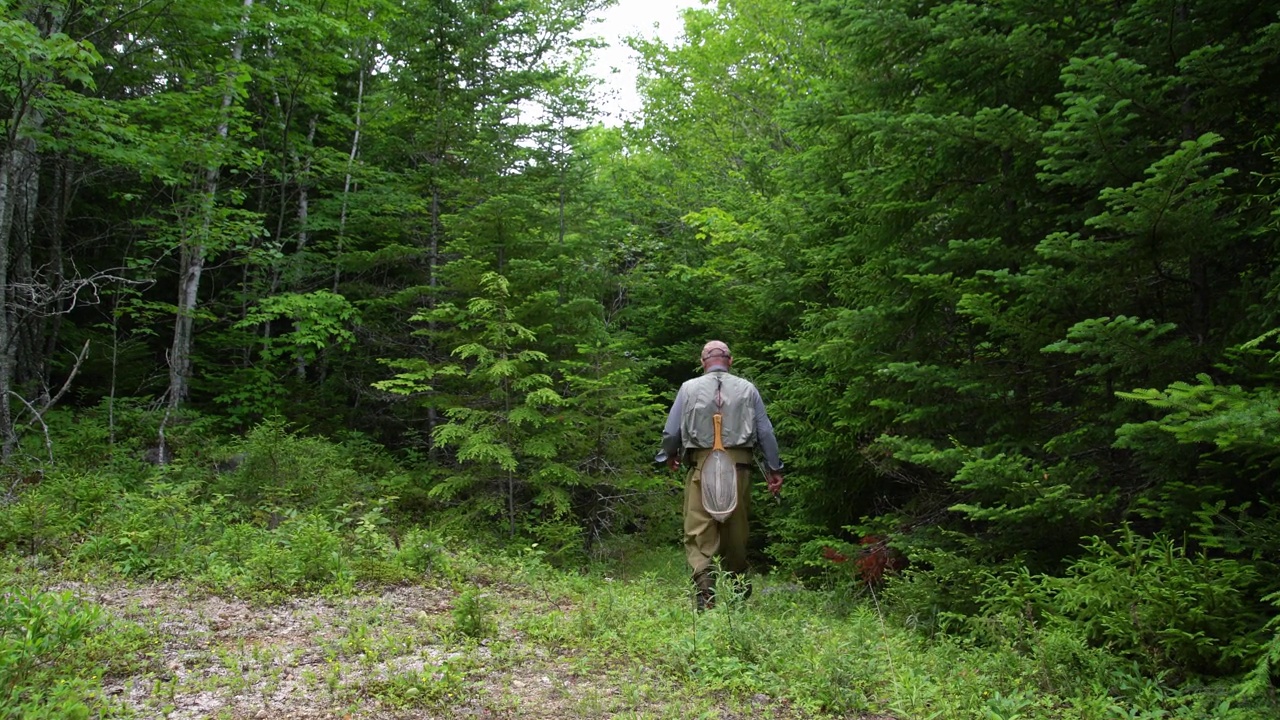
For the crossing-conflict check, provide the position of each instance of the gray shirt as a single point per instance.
(747, 423)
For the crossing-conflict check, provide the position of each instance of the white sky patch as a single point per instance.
(616, 65)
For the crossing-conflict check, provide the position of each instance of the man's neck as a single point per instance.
(716, 368)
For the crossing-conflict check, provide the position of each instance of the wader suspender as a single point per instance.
(718, 418)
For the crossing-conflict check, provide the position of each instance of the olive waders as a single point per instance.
(705, 539)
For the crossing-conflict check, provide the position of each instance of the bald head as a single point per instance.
(716, 354)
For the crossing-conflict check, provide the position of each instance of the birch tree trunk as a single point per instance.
(192, 255)
(347, 182)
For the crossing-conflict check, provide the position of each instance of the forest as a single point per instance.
(306, 296)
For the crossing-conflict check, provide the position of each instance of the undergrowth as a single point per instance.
(830, 653)
(276, 515)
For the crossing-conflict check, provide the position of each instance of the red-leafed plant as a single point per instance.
(872, 558)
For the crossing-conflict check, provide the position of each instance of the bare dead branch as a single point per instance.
(75, 369)
(38, 417)
(47, 298)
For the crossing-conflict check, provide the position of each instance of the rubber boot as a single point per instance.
(704, 590)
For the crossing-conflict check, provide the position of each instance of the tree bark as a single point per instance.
(19, 188)
(26, 184)
(7, 162)
(347, 182)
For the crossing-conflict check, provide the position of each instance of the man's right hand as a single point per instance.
(673, 463)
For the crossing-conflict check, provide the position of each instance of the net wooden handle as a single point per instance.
(719, 443)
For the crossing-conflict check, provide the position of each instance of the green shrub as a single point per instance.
(305, 552)
(39, 631)
(238, 543)
(51, 516)
(120, 441)
(379, 571)
(270, 567)
(1148, 600)
(473, 614)
(422, 551)
(274, 469)
(439, 687)
(1262, 680)
(163, 532)
(938, 590)
(560, 541)
(34, 525)
(316, 549)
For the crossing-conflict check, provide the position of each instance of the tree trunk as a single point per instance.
(511, 478)
(22, 240)
(347, 182)
(193, 249)
(347, 186)
(7, 163)
(19, 186)
(433, 252)
(304, 175)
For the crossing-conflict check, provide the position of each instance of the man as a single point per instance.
(688, 438)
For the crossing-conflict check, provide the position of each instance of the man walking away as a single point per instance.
(718, 400)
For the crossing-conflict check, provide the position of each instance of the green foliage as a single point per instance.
(423, 552)
(39, 634)
(607, 427)
(1013, 497)
(1113, 345)
(275, 469)
(944, 585)
(505, 427)
(276, 513)
(156, 533)
(1228, 417)
(304, 553)
(442, 687)
(473, 614)
(826, 656)
(319, 321)
(1151, 601)
(551, 444)
(47, 518)
(1139, 600)
(1260, 681)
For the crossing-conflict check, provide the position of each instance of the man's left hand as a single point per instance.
(774, 482)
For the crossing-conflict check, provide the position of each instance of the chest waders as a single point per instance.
(719, 474)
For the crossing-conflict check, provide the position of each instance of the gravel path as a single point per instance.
(389, 654)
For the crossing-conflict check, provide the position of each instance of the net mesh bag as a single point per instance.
(719, 480)
(719, 485)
